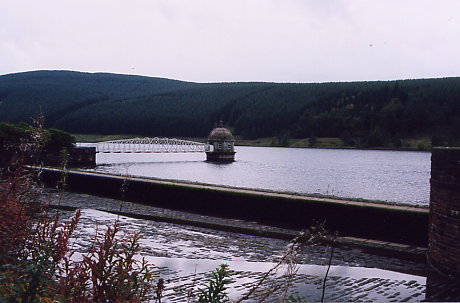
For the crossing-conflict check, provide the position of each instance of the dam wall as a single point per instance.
(392, 223)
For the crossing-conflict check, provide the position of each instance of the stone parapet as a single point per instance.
(444, 227)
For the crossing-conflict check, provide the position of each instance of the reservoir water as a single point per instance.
(392, 176)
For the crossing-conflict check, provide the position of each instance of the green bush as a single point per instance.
(50, 140)
(215, 291)
(55, 140)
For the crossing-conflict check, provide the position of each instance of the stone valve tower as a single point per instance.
(221, 144)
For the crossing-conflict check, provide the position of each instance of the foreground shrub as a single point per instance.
(38, 265)
(215, 291)
(33, 242)
(108, 272)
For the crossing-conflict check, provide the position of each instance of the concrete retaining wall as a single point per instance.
(82, 157)
(350, 218)
(444, 247)
(77, 157)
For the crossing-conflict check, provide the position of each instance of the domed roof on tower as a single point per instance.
(220, 134)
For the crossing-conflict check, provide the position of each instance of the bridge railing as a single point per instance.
(151, 145)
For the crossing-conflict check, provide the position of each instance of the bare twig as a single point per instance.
(313, 236)
(327, 273)
(124, 189)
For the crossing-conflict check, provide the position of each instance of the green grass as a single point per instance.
(100, 138)
(418, 143)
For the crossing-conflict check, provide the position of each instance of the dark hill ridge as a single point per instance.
(58, 93)
(368, 114)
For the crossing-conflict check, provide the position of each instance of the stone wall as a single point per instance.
(81, 157)
(444, 228)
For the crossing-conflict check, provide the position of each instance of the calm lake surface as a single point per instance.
(393, 176)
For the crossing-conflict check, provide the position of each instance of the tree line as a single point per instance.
(51, 140)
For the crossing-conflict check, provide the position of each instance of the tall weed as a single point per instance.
(37, 263)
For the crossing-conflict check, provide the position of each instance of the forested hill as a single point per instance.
(368, 114)
(59, 93)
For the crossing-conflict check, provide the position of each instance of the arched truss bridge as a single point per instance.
(151, 145)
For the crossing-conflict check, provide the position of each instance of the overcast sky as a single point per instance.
(235, 40)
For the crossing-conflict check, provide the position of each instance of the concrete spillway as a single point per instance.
(401, 224)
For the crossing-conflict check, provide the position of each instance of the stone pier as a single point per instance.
(444, 226)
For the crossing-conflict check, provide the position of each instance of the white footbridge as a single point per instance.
(150, 145)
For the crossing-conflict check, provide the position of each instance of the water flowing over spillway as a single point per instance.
(392, 176)
(184, 255)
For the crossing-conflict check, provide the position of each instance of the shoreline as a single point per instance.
(422, 144)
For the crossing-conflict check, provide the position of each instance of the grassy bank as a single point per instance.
(91, 138)
(418, 143)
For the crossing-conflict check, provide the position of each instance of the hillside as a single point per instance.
(58, 93)
(363, 114)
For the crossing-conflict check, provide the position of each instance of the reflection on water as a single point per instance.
(183, 256)
(394, 176)
(345, 282)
